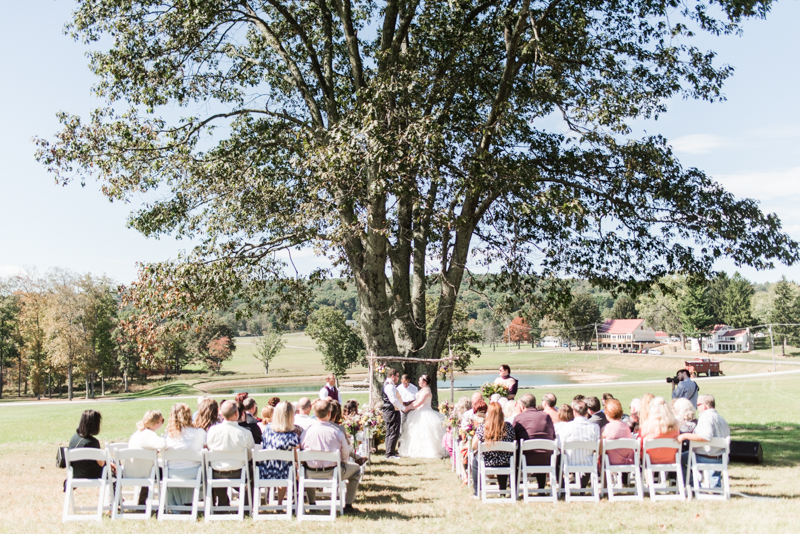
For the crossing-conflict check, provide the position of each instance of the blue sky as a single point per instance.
(750, 143)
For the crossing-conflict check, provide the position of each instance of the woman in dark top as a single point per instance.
(494, 428)
(84, 438)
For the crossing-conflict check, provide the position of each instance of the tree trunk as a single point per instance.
(266, 368)
(1, 375)
(125, 381)
(102, 386)
(69, 381)
(19, 376)
(783, 346)
(86, 387)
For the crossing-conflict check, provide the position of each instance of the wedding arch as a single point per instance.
(373, 359)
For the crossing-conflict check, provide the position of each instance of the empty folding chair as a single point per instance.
(272, 486)
(331, 482)
(73, 512)
(632, 470)
(135, 467)
(527, 472)
(486, 490)
(663, 490)
(589, 467)
(112, 449)
(171, 479)
(702, 488)
(212, 512)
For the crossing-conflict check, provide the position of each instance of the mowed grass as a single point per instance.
(413, 495)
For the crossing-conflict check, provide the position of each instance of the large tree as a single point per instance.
(738, 307)
(785, 313)
(624, 308)
(397, 137)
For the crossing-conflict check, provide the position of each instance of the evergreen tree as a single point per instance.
(785, 310)
(694, 308)
(624, 308)
(737, 307)
(716, 296)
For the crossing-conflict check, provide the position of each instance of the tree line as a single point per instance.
(60, 328)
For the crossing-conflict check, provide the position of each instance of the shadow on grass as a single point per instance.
(167, 390)
(780, 441)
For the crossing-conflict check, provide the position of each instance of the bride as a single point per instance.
(421, 435)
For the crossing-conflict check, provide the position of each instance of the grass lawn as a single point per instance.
(423, 495)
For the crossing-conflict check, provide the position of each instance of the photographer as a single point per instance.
(684, 387)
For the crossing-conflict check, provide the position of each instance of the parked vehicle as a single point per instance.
(655, 351)
(624, 351)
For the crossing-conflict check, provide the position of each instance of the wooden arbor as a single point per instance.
(373, 359)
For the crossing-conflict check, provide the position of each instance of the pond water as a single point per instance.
(466, 381)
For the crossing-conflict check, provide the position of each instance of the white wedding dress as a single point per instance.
(421, 435)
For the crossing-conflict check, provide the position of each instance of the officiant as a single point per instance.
(508, 381)
(408, 393)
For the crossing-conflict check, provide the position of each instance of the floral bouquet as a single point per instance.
(445, 408)
(451, 420)
(353, 425)
(468, 428)
(372, 420)
(381, 369)
(490, 388)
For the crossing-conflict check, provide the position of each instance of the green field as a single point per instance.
(423, 495)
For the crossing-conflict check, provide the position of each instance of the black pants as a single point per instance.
(220, 495)
(392, 419)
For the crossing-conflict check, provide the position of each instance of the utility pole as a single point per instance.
(597, 341)
(772, 343)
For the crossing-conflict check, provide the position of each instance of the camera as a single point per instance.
(673, 380)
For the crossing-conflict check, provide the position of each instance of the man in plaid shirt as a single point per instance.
(580, 429)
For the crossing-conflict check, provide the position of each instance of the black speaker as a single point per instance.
(748, 452)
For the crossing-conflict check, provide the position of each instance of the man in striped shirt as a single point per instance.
(580, 429)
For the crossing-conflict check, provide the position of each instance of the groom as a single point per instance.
(392, 408)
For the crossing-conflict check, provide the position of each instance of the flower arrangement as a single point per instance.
(445, 408)
(372, 420)
(468, 428)
(353, 425)
(490, 388)
(381, 369)
(451, 420)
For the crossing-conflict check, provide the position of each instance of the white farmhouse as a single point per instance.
(724, 338)
(550, 341)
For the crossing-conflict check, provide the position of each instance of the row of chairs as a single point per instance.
(330, 491)
(642, 473)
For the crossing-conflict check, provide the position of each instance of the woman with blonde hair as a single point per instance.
(279, 435)
(207, 414)
(266, 417)
(493, 429)
(182, 435)
(660, 424)
(145, 437)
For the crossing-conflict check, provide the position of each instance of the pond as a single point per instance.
(462, 381)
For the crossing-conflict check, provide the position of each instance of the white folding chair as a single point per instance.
(505, 495)
(103, 483)
(333, 483)
(112, 449)
(663, 490)
(470, 456)
(526, 472)
(272, 485)
(577, 470)
(703, 490)
(622, 494)
(168, 480)
(145, 460)
(211, 512)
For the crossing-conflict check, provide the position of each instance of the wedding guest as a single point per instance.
(606, 397)
(502, 401)
(510, 411)
(247, 419)
(493, 429)
(578, 397)
(392, 408)
(280, 435)
(565, 415)
(616, 429)
(228, 436)
(660, 423)
(476, 396)
(463, 405)
(508, 381)
(684, 412)
(145, 437)
(183, 435)
(207, 414)
(633, 418)
(710, 424)
(266, 417)
(329, 391)
(200, 401)
(273, 401)
(534, 424)
(596, 414)
(302, 417)
(323, 436)
(84, 438)
(644, 408)
(579, 429)
(549, 406)
(350, 408)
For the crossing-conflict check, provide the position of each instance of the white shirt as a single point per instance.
(303, 420)
(391, 392)
(579, 429)
(229, 436)
(142, 439)
(191, 439)
(407, 393)
(710, 424)
(323, 395)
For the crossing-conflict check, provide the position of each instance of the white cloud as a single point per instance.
(698, 143)
(780, 185)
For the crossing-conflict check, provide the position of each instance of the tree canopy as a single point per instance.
(402, 140)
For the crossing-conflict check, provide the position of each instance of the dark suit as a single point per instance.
(599, 419)
(251, 424)
(534, 424)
